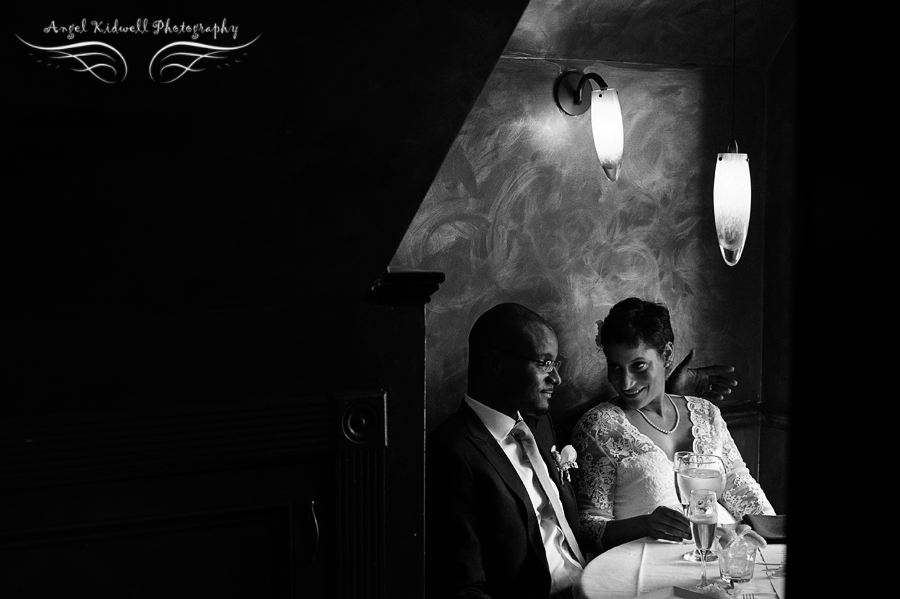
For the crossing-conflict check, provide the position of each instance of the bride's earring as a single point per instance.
(668, 360)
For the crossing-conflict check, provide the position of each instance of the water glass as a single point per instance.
(736, 563)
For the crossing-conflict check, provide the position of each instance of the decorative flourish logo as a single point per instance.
(184, 61)
(169, 64)
(101, 63)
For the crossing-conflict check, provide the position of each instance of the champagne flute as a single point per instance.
(702, 512)
(676, 462)
(700, 471)
(682, 497)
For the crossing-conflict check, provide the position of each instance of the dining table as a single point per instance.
(649, 566)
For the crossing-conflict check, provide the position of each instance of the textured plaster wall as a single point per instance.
(520, 211)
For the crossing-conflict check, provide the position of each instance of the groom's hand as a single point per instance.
(708, 382)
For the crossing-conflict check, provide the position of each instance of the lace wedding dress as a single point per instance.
(622, 473)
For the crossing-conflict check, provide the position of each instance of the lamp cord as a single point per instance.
(733, 69)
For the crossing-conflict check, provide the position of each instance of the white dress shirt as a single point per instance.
(564, 567)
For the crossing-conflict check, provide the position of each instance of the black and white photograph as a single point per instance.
(422, 299)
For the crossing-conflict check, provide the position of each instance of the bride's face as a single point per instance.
(638, 374)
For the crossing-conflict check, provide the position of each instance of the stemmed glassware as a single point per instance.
(699, 471)
(702, 512)
(684, 499)
(676, 462)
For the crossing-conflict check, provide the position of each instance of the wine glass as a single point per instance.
(702, 512)
(700, 471)
(736, 564)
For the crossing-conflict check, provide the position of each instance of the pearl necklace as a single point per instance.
(663, 431)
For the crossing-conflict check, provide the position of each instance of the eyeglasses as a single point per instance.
(547, 366)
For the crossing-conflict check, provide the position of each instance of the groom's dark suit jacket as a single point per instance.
(482, 535)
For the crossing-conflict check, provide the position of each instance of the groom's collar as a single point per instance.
(497, 423)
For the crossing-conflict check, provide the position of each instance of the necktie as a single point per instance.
(525, 437)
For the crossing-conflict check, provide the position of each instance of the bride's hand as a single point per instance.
(666, 523)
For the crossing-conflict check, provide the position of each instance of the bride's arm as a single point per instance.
(594, 484)
(742, 495)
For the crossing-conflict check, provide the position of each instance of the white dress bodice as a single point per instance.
(622, 473)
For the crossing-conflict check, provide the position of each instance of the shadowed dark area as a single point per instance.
(198, 240)
(213, 385)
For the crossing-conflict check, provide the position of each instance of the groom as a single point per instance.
(501, 524)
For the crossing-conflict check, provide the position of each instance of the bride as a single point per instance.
(626, 482)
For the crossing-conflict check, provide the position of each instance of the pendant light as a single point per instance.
(731, 188)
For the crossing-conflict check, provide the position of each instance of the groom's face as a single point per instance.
(528, 387)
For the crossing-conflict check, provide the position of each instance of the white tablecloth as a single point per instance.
(646, 565)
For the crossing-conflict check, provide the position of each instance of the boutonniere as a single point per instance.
(565, 460)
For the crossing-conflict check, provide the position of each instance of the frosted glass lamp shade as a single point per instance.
(608, 131)
(731, 202)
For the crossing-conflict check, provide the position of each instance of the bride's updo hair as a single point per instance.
(634, 321)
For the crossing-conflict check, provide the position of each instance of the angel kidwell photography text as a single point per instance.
(140, 26)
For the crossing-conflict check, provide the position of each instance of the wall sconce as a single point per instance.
(606, 116)
(731, 202)
(731, 187)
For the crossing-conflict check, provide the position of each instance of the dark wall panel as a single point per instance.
(781, 256)
(322, 488)
(241, 553)
(782, 353)
(777, 463)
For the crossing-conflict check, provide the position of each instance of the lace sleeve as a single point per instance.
(595, 482)
(742, 495)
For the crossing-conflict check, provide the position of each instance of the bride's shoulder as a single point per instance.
(607, 408)
(602, 416)
(698, 405)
